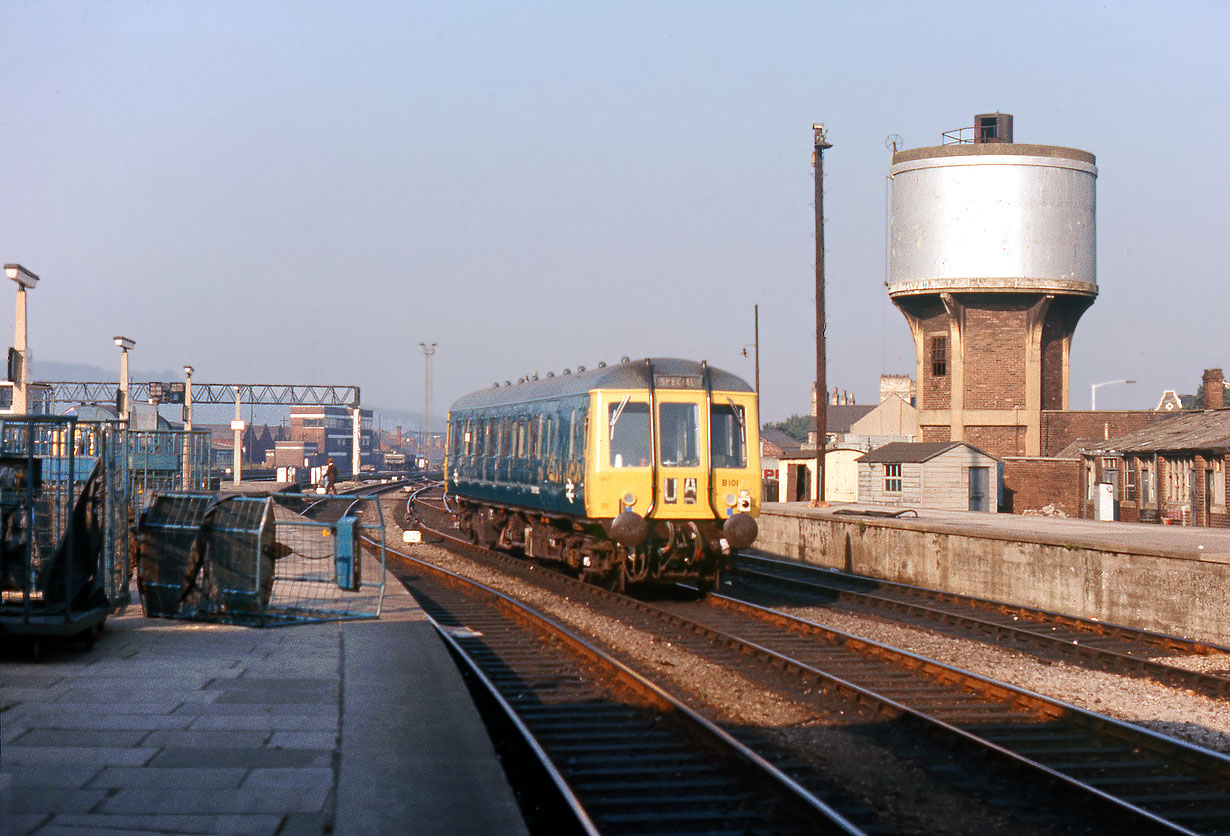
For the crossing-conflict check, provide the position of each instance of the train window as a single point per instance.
(576, 440)
(727, 436)
(680, 427)
(629, 434)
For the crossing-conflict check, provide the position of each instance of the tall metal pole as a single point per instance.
(188, 480)
(756, 316)
(237, 426)
(428, 351)
(822, 396)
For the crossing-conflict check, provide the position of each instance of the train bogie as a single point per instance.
(647, 471)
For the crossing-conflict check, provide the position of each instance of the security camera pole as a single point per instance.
(822, 396)
(25, 279)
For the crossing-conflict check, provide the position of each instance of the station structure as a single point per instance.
(305, 401)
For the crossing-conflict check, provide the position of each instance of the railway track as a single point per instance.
(1137, 779)
(626, 757)
(1092, 644)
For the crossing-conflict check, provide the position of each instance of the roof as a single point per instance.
(840, 417)
(780, 440)
(627, 375)
(913, 452)
(1207, 431)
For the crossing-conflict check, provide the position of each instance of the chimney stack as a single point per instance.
(1214, 389)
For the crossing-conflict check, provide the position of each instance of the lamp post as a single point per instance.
(1093, 391)
(20, 375)
(188, 398)
(187, 427)
(121, 401)
(428, 352)
(237, 427)
(820, 136)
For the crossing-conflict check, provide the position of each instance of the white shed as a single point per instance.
(950, 475)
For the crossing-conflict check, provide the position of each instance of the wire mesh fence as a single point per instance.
(64, 563)
(250, 560)
(167, 460)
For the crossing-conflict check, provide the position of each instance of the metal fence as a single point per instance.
(250, 560)
(167, 460)
(64, 563)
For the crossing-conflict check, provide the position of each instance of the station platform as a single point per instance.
(167, 726)
(1164, 578)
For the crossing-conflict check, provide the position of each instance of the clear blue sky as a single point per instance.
(297, 192)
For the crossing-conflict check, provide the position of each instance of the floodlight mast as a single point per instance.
(188, 427)
(122, 400)
(25, 280)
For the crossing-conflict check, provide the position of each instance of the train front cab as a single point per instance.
(687, 474)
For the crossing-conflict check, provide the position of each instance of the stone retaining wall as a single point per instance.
(1180, 595)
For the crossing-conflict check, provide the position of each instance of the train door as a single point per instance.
(683, 479)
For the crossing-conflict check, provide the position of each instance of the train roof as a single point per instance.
(669, 373)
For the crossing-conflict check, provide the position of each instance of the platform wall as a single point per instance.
(1178, 595)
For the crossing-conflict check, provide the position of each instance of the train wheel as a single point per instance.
(708, 583)
(615, 581)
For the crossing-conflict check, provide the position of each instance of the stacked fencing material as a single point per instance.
(247, 560)
(64, 562)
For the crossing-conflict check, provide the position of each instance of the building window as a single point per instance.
(1179, 479)
(892, 478)
(1219, 484)
(1129, 481)
(939, 356)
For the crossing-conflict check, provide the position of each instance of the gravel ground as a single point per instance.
(1179, 713)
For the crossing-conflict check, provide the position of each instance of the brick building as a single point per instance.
(1173, 470)
(330, 430)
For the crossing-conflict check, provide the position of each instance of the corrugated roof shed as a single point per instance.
(910, 452)
(1194, 432)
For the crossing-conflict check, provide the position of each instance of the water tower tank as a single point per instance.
(993, 216)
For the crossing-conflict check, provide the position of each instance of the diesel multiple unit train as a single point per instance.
(647, 471)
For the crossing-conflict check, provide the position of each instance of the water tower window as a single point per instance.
(939, 356)
(988, 129)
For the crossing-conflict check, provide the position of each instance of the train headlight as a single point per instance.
(730, 500)
(629, 499)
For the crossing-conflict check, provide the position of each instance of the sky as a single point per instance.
(302, 192)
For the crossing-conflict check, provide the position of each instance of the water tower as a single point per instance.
(993, 262)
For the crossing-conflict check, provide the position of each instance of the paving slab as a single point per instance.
(172, 727)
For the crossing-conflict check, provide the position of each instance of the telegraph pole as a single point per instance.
(756, 335)
(822, 393)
